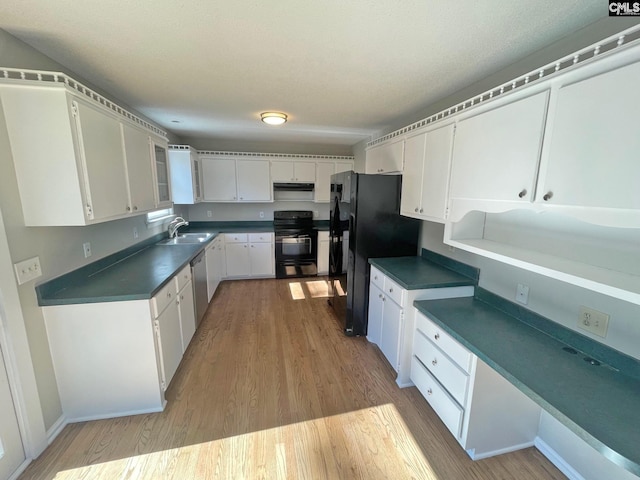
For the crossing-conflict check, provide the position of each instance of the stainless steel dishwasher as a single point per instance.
(199, 276)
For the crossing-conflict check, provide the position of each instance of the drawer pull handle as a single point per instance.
(547, 196)
(429, 392)
(168, 294)
(391, 290)
(434, 362)
(437, 336)
(522, 193)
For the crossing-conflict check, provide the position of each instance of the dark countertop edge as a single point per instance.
(85, 300)
(486, 297)
(437, 260)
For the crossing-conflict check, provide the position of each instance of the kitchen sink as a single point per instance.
(187, 238)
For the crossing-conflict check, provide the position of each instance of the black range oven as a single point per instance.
(296, 243)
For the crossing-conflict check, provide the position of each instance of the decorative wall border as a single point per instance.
(626, 38)
(60, 78)
(271, 155)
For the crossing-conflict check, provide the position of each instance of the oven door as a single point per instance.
(296, 254)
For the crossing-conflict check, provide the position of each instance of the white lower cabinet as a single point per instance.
(485, 413)
(390, 323)
(115, 359)
(323, 253)
(216, 269)
(249, 255)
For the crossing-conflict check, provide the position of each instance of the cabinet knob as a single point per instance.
(375, 277)
(547, 196)
(128, 208)
(429, 392)
(522, 193)
(181, 297)
(241, 198)
(434, 362)
(135, 208)
(379, 295)
(415, 209)
(391, 290)
(168, 294)
(421, 210)
(383, 299)
(252, 246)
(437, 336)
(244, 246)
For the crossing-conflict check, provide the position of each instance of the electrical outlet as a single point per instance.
(86, 247)
(522, 294)
(261, 214)
(209, 214)
(27, 270)
(593, 321)
(135, 232)
(315, 214)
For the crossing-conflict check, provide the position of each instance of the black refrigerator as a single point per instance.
(364, 222)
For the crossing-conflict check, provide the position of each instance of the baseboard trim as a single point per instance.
(20, 469)
(557, 460)
(104, 416)
(493, 453)
(56, 428)
(406, 384)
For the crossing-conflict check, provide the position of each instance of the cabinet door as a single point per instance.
(219, 179)
(220, 262)
(262, 258)
(323, 182)
(161, 165)
(376, 307)
(304, 172)
(343, 167)
(211, 261)
(254, 182)
(593, 156)
(435, 174)
(414, 151)
(282, 171)
(390, 333)
(139, 169)
(187, 314)
(323, 257)
(103, 159)
(237, 256)
(495, 154)
(169, 340)
(385, 158)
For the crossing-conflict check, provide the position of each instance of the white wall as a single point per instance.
(224, 212)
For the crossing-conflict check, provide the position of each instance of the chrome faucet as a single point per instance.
(175, 224)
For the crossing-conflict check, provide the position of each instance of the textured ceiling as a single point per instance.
(341, 70)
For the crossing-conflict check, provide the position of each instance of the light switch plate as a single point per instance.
(522, 294)
(27, 270)
(86, 247)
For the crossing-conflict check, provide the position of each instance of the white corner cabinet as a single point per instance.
(387, 157)
(78, 162)
(216, 264)
(249, 255)
(117, 358)
(485, 413)
(227, 179)
(425, 178)
(391, 318)
(186, 184)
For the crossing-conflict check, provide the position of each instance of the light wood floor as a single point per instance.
(270, 388)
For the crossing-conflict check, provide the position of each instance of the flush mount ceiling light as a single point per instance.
(273, 118)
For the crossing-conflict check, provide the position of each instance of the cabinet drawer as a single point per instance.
(261, 237)
(161, 299)
(393, 290)
(442, 367)
(183, 278)
(444, 341)
(446, 407)
(324, 237)
(377, 278)
(235, 238)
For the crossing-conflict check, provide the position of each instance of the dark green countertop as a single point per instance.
(427, 271)
(601, 404)
(137, 272)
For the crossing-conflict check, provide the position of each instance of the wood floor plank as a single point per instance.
(270, 388)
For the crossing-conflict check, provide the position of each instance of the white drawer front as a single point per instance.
(265, 237)
(161, 299)
(235, 238)
(446, 407)
(393, 290)
(444, 341)
(455, 380)
(377, 278)
(324, 236)
(183, 278)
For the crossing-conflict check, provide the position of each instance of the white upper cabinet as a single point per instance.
(139, 169)
(496, 152)
(162, 175)
(231, 180)
(184, 165)
(288, 171)
(425, 179)
(593, 157)
(323, 182)
(385, 158)
(343, 167)
(219, 179)
(77, 161)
